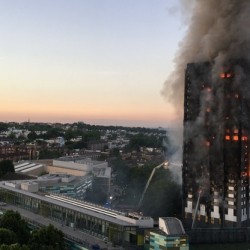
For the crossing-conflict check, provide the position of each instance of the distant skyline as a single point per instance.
(100, 62)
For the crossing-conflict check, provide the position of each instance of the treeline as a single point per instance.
(75, 126)
(84, 133)
(6, 166)
(144, 140)
(15, 234)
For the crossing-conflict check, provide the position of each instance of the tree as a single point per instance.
(12, 220)
(142, 140)
(14, 247)
(49, 154)
(53, 133)
(121, 169)
(47, 238)
(13, 229)
(69, 134)
(21, 137)
(11, 136)
(6, 166)
(80, 144)
(115, 152)
(3, 126)
(167, 202)
(80, 125)
(32, 136)
(7, 236)
(91, 135)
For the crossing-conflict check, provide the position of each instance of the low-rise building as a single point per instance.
(31, 168)
(65, 184)
(70, 175)
(169, 236)
(107, 224)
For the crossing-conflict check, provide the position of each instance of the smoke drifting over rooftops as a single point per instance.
(218, 31)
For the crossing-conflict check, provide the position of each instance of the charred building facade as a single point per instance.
(216, 145)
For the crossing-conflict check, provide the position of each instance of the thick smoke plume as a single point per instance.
(218, 30)
(218, 33)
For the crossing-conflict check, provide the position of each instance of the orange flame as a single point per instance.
(222, 75)
(236, 138)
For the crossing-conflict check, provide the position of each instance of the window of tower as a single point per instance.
(227, 137)
(222, 75)
(229, 75)
(244, 138)
(225, 75)
(235, 137)
(235, 212)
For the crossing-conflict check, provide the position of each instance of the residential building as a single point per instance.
(169, 236)
(216, 145)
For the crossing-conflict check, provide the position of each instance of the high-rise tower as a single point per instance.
(216, 145)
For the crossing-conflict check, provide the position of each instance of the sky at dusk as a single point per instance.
(96, 61)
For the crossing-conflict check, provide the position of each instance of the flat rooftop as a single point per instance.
(100, 212)
(79, 159)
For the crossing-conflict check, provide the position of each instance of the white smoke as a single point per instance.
(174, 152)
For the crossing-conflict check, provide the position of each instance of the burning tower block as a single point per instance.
(216, 145)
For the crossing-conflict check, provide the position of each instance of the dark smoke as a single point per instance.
(217, 31)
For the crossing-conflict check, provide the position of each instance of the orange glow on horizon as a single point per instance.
(123, 119)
